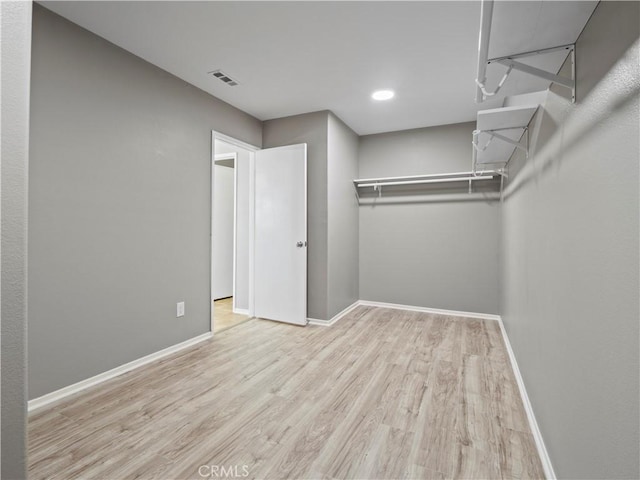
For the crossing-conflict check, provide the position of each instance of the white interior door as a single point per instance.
(280, 252)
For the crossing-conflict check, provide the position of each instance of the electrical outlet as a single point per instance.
(180, 309)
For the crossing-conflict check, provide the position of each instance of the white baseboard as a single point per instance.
(65, 392)
(533, 424)
(482, 316)
(396, 306)
(241, 311)
(328, 323)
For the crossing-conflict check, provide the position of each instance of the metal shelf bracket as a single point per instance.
(494, 134)
(516, 143)
(511, 63)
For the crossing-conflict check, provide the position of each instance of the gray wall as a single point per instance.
(332, 210)
(120, 205)
(343, 225)
(570, 280)
(310, 128)
(16, 51)
(438, 250)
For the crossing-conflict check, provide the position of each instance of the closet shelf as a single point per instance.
(499, 132)
(505, 117)
(509, 40)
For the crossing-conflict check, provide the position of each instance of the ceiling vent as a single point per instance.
(223, 77)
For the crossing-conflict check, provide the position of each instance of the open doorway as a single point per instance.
(267, 233)
(230, 234)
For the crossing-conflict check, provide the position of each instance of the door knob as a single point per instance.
(301, 244)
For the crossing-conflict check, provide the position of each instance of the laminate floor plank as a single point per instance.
(224, 316)
(381, 394)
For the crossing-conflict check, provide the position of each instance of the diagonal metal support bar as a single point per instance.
(494, 134)
(538, 72)
(506, 139)
(514, 56)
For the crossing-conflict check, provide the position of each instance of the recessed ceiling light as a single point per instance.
(383, 95)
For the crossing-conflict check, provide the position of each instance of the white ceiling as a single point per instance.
(297, 57)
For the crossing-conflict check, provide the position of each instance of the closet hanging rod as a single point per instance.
(433, 180)
(431, 175)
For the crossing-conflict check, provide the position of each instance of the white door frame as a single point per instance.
(252, 149)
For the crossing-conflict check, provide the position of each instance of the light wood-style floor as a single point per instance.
(223, 316)
(380, 394)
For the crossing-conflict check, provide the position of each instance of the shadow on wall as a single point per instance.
(559, 136)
